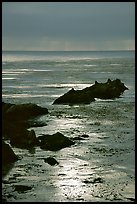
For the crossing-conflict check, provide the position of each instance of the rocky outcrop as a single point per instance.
(54, 142)
(74, 97)
(22, 111)
(15, 121)
(8, 155)
(109, 90)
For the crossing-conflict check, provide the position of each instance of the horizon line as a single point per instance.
(66, 50)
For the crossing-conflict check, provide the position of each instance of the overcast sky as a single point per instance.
(68, 26)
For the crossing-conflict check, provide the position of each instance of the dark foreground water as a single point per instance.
(98, 168)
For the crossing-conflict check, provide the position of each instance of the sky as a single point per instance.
(68, 26)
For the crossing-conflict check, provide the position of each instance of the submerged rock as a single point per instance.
(22, 188)
(94, 181)
(51, 161)
(109, 90)
(54, 142)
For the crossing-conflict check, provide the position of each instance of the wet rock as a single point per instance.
(23, 111)
(24, 139)
(109, 90)
(51, 161)
(54, 142)
(77, 138)
(8, 155)
(95, 180)
(74, 97)
(33, 123)
(15, 121)
(131, 199)
(22, 188)
(84, 136)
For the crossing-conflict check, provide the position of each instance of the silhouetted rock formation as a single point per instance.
(54, 142)
(109, 90)
(8, 155)
(22, 111)
(16, 120)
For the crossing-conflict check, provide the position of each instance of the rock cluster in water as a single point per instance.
(109, 90)
(16, 119)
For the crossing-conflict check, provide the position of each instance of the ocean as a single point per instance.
(108, 154)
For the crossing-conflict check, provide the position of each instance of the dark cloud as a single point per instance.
(68, 22)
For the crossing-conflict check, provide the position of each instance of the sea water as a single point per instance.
(109, 151)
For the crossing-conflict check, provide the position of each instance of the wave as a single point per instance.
(29, 95)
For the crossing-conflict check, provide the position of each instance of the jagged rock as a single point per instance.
(74, 97)
(109, 90)
(54, 142)
(51, 161)
(8, 155)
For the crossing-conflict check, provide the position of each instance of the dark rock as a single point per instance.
(24, 139)
(22, 188)
(6, 106)
(74, 97)
(82, 137)
(54, 142)
(15, 121)
(77, 138)
(23, 111)
(95, 180)
(8, 155)
(131, 199)
(109, 90)
(34, 123)
(85, 136)
(51, 161)
(4, 200)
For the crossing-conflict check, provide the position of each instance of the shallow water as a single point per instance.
(100, 167)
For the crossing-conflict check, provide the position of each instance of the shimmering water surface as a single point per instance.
(100, 167)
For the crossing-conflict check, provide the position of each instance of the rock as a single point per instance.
(23, 111)
(54, 142)
(24, 139)
(109, 90)
(51, 161)
(15, 121)
(74, 97)
(77, 138)
(82, 137)
(85, 136)
(8, 155)
(95, 180)
(22, 188)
